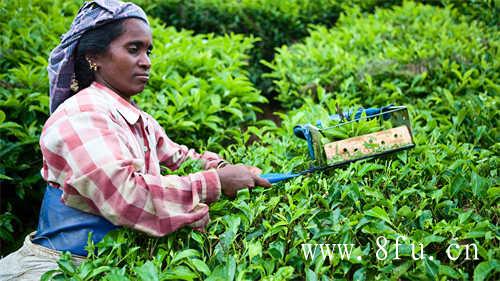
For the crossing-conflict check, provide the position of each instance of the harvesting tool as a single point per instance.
(363, 134)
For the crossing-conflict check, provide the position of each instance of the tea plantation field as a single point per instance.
(429, 213)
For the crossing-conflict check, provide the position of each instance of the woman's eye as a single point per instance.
(133, 50)
(149, 52)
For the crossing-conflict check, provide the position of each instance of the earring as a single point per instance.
(74, 84)
(92, 65)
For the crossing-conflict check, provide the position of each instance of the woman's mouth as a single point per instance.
(143, 77)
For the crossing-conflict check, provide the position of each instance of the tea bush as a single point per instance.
(199, 91)
(283, 22)
(29, 30)
(401, 54)
(436, 194)
(275, 23)
(487, 11)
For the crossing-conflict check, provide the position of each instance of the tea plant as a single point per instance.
(398, 55)
(274, 22)
(435, 194)
(29, 30)
(284, 22)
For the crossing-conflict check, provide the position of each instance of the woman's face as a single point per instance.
(124, 67)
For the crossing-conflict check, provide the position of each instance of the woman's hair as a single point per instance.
(94, 42)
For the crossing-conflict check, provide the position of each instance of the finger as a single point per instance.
(200, 229)
(262, 182)
(250, 183)
(231, 195)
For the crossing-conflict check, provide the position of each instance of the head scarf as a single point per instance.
(61, 61)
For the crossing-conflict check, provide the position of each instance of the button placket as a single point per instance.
(146, 141)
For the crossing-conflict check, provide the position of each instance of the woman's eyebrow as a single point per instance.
(140, 43)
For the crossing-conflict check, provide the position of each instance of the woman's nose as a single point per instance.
(144, 61)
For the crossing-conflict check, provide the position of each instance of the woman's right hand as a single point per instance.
(236, 177)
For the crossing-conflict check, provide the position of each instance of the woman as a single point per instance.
(102, 154)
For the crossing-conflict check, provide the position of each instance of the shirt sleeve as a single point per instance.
(102, 176)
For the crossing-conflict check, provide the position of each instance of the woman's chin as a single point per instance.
(138, 89)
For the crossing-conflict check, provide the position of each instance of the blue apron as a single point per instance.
(63, 228)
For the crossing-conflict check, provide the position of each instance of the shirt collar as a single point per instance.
(130, 112)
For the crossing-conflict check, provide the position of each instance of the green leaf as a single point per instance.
(405, 211)
(218, 274)
(425, 219)
(448, 271)
(284, 273)
(494, 192)
(179, 273)
(401, 269)
(311, 275)
(50, 275)
(432, 239)
(277, 249)
(186, 124)
(479, 185)
(115, 277)
(234, 111)
(458, 185)
(379, 213)
(66, 265)
(483, 270)
(230, 268)
(147, 272)
(254, 249)
(10, 125)
(197, 237)
(201, 266)
(5, 177)
(99, 270)
(360, 274)
(431, 267)
(369, 167)
(229, 235)
(183, 255)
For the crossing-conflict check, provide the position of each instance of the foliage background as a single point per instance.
(298, 59)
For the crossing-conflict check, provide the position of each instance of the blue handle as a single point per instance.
(277, 177)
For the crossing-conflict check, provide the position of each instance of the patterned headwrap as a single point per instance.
(91, 15)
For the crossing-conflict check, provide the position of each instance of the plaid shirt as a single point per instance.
(105, 154)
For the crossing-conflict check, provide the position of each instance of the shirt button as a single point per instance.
(145, 148)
